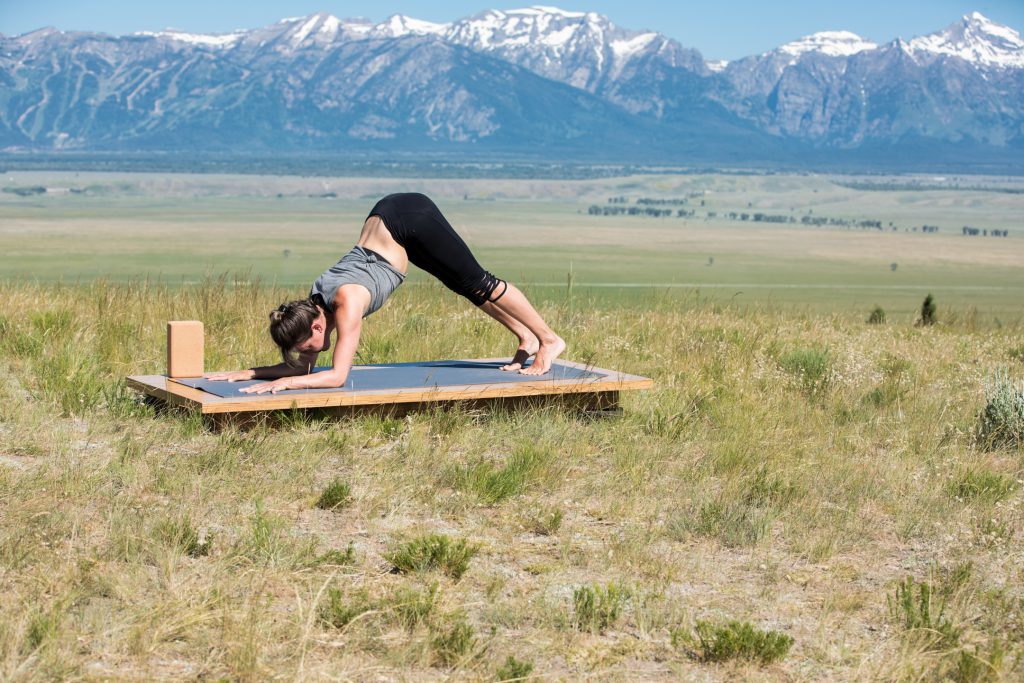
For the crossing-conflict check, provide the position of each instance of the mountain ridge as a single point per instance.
(532, 81)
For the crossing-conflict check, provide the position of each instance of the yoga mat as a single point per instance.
(408, 376)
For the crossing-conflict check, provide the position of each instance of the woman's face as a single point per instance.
(319, 339)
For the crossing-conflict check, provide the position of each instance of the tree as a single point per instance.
(928, 310)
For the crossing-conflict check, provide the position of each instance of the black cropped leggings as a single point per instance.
(433, 245)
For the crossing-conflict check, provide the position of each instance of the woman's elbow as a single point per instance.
(334, 380)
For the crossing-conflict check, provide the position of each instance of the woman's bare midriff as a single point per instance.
(375, 237)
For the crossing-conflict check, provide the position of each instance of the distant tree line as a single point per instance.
(662, 202)
(645, 206)
(656, 201)
(918, 187)
(596, 210)
(25, 191)
(985, 232)
(842, 222)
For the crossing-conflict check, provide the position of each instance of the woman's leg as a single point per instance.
(528, 342)
(433, 245)
(515, 305)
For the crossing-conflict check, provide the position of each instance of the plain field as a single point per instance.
(183, 228)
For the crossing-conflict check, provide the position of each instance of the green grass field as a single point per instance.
(803, 496)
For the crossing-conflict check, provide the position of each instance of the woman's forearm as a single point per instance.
(328, 379)
(276, 371)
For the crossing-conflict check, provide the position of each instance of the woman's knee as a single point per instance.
(482, 288)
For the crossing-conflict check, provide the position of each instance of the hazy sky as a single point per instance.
(720, 29)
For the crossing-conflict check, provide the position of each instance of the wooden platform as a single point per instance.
(598, 390)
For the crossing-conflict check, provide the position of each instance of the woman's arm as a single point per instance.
(306, 363)
(349, 323)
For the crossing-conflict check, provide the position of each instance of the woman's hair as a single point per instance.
(290, 325)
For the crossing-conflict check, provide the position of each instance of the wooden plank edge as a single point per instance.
(180, 394)
(384, 397)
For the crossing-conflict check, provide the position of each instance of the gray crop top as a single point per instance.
(362, 267)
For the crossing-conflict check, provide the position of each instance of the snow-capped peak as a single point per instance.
(976, 39)
(539, 26)
(830, 43)
(320, 27)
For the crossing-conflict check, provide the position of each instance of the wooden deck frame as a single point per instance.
(596, 395)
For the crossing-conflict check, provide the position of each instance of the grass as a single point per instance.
(180, 533)
(937, 619)
(493, 484)
(137, 544)
(596, 608)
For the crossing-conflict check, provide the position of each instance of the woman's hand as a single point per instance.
(268, 387)
(236, 376)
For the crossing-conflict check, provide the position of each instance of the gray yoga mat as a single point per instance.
(409, 376)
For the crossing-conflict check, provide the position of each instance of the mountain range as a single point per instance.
(535, 84)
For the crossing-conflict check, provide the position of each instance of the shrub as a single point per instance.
(337, 495)
(514, 670)
(811, 367)
(731, 640)
(877, 316)
(928, 310)
(545, 521)
(337, 610)
(336, 557)
(921, 614)
(453, 641)
(433, 551)
(596, 608)
(1002, 419)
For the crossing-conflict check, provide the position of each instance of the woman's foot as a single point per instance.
(546, 355)
(527, 349)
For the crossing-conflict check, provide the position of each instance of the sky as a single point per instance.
(720, 29)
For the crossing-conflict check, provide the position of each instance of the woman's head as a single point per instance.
(298, 327)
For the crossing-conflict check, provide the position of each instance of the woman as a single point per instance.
(401, 229)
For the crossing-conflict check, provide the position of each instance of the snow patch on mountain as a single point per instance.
(624, 49)
(540, 10)
(204, 39)
(399, 25)
(831, 43)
